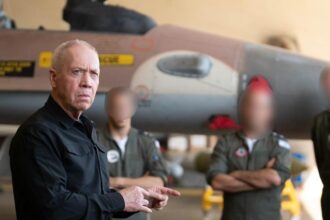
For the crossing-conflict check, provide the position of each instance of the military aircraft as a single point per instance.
(182, 77)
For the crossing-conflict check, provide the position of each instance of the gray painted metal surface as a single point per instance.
(170, 102)
(295, 81)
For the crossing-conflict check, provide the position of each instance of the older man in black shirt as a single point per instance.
(58, 168)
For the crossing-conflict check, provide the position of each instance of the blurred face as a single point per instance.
(120, 110)
(75, 84)
(326, 85)
(257, 111)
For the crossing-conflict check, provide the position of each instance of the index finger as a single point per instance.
(156, 195)
(153, 195)
(169, 191)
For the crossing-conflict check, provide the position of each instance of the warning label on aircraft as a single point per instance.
(45, 59)
(16, 68)
(116, 59)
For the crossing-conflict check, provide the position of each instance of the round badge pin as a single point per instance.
(113, 156)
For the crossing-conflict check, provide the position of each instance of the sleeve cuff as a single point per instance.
(116, 202)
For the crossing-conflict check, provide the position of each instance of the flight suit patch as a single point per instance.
(155, 157)
(284, 144)
(241, 152)
(113, 156)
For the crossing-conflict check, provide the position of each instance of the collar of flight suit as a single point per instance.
(107, 133)
(242, 136)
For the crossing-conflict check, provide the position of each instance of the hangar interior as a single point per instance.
(297, 26)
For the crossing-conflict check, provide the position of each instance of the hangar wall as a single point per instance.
(251, 20)
(33, 13)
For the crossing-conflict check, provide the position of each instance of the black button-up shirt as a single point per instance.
(59, 170)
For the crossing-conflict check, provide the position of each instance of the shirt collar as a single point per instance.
(107, 132)
(241, 135)
(60, 115)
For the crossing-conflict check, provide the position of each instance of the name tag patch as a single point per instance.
(113, 156)
(241, 152)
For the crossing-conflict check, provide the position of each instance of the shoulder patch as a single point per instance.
(157, 144)
(282, 141)
(228, 135)
(284, 144)
(277, 135)
(145, 133)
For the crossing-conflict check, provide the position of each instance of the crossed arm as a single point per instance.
(239, 181)
(228, 183)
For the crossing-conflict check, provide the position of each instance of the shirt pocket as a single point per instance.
(79, 164)
(78, 150)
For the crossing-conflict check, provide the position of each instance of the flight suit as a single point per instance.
(231, 154)
(141, 157)
(321, 141)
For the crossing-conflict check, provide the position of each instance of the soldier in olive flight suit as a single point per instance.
(251, 165)
(134, 159)
(321, 141)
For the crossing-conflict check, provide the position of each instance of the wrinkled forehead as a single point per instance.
(81, 56)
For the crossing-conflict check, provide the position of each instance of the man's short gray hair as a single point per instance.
(60, 51)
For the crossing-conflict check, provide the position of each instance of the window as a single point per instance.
(188, 65)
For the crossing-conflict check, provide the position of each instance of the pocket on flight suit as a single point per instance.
(135, 165)
(261, 160)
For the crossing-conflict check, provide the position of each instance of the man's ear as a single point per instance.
(52, 77)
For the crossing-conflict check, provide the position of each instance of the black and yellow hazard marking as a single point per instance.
(116, 59)
(45, 59)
